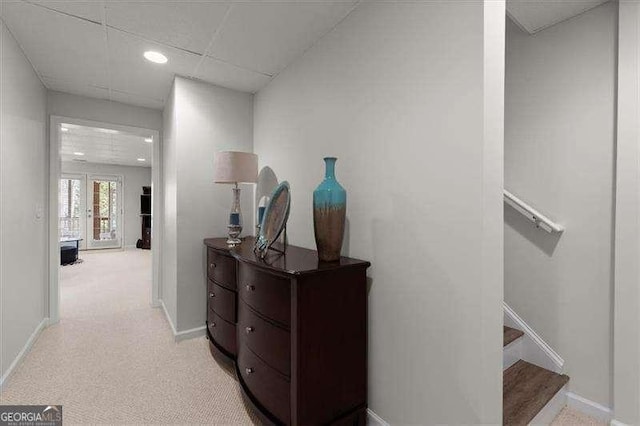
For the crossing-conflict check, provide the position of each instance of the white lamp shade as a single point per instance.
(235, 167)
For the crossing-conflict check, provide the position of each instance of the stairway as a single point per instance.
(526, 388)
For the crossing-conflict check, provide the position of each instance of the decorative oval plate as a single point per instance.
(267, 182)
(275, 218)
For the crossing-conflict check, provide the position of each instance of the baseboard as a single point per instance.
(25, 350)
(535, 350)
(191, 333)
(375, 420)
(590, 408)
(186, 334)
(551, 410)
(617, 423)
(166, 314)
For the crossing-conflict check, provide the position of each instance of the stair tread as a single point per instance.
(526, 389)
(510, 334)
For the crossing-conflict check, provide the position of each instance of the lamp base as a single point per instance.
(235, 219)
(234, 234)
(232, 242)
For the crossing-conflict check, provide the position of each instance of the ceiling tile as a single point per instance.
(536, 15)
(138, 100)
(188, 25)
(60, 47)
(134, 75)
(226, 75)
(266, 36)
(73, 54)
(85, 9)
(4, 4)
(97, 147)
(75, 88)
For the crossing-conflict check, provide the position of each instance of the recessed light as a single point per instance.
(141, 159)
(78, 153)
(64, 129)
(155, 57)
(148, 140)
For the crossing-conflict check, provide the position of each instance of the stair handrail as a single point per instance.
(533, 215)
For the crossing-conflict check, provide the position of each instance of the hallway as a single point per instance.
(112, 358)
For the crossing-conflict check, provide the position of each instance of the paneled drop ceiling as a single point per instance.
(105, 146)
(536, 15)
(94, 47)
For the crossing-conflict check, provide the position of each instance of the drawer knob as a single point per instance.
(248, 370)
(249, 329)
(250, 287)
(212, 265)
(211, 294)
(213, 324)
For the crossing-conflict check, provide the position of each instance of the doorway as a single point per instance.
(98, 173)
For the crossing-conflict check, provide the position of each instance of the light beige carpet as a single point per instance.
(569, 416)
(112, 358)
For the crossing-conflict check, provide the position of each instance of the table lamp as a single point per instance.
(235, 167)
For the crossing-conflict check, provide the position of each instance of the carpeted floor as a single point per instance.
(112, 358)
(569, 416)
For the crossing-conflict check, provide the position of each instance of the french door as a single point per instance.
(104, 212)
(91, 209)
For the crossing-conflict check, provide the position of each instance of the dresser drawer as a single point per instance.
(222, 301)
(267, 294)
(221, 269)
(223, 332)
(268, 341)
(268, 386)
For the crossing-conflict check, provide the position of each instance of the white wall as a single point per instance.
(408, 96)
(205, 119)
(169, 290)
(626, 351)
(559, 157)
(68, 105)
(23, 199)
(134, 178)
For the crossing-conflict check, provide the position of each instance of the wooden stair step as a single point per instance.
(526, 389)
(511, 334)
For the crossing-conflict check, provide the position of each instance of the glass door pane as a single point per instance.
(72, 206)
(104, 213)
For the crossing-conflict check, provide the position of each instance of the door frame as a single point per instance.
(120, 231)
(55, 166)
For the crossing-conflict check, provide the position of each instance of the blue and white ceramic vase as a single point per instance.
(329, 213)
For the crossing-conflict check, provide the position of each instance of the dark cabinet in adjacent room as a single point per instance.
(145, 215)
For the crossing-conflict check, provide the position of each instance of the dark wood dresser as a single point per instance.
(295, 330)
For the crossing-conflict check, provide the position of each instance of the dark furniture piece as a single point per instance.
(145, 214)
(294, 329)
(69, 250)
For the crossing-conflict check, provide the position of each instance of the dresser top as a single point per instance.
(295, 261)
